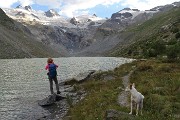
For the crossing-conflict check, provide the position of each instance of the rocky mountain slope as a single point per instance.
(86, 35)
(157, 37)
(64, 35)
(16, 43)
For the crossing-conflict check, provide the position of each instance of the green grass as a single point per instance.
(160, 85)
(159, 82)
(102, 95)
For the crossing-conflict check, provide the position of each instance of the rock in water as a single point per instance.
(48, 100)
(59, 97)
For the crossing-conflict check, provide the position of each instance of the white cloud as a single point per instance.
(49, 3)
(72, 7)
(146, 4)
(26, 2)
(7, 3)
(67, 7)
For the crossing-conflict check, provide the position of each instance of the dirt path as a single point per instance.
(123, 96)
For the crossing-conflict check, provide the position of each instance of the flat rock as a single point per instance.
(80, 78)
(84, 75)
(50, 99)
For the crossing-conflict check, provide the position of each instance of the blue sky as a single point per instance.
(99, 10)
(70, 8)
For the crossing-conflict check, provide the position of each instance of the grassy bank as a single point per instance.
(159, 82)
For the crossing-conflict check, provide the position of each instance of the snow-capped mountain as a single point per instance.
(130, 15)
(28, 15)
(51, 13)
(51, 17)
(80, 35)
(87, 20)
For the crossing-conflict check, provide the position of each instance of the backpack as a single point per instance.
(52, 71)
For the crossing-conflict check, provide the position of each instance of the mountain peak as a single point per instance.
(126, 9)
(28, 8)
(19, 6)
(94, 15)
(51, 13)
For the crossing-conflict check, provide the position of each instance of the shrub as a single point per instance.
(152, 53)
(173, 51)
(144, 67)
(175, 30)
(172, 42)
(177, 36)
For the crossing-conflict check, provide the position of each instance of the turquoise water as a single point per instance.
(24, 81)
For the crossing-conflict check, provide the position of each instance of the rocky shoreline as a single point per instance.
(71, 95)
(60, 106)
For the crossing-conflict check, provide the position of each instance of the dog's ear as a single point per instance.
(130, 86)
(133, 85)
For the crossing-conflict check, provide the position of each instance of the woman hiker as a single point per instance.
(52, 74)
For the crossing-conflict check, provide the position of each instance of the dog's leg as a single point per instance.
(137, 109)
(141, 112)
(141, 106)
(131, 107)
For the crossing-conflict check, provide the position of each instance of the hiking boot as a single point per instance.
(58, 92)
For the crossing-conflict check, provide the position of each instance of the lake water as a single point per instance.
(24, 81)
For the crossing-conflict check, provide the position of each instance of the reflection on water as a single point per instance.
(24, 81)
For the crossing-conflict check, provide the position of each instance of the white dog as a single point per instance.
(136, 97)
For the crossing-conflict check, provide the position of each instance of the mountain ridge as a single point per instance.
(157, 37)
(82, 36)
(16, 43)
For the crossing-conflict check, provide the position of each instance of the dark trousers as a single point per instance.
(51, 84)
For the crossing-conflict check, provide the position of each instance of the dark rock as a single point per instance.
(121, 15)
(73, 21)
(51, 13)
(28, 8)
(95, 15)
(177, 4)
(51, 99)
(126, 9)
(20, 14)
(48, 100)
(135, 10)
(19, 6)
(60, 97)
(92, 23)
(89, 20)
